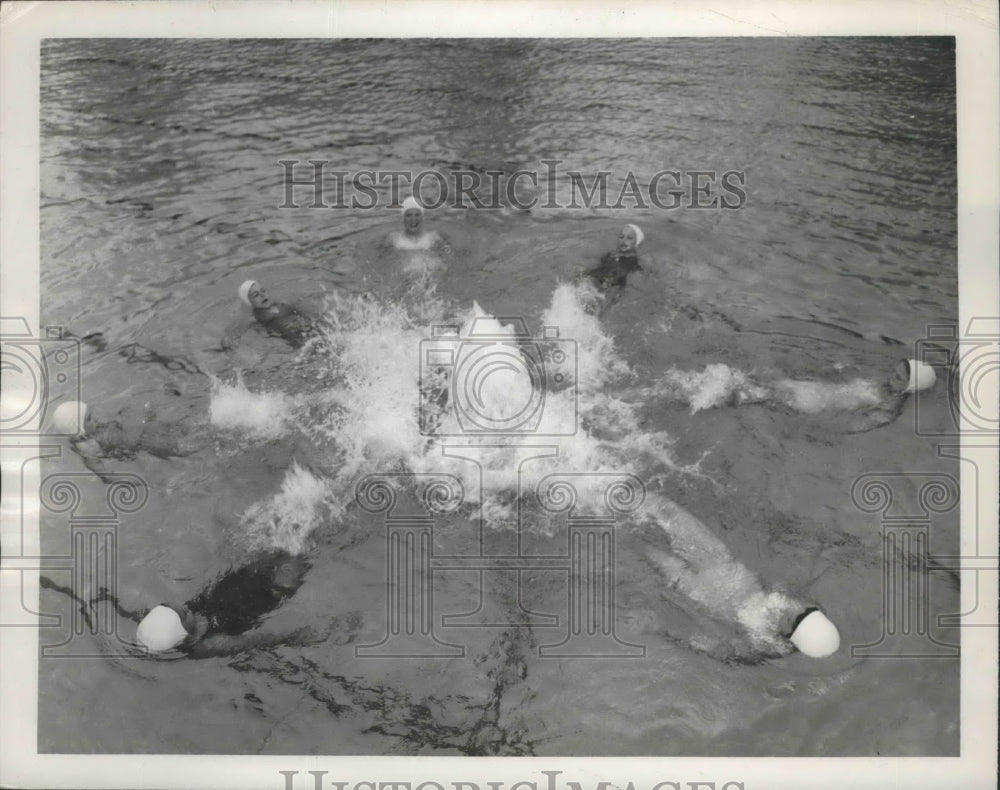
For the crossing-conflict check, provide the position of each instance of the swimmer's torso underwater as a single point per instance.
(772, 291)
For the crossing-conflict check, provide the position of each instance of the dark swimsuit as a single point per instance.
(613, 270)
(241, 597)
(286, 322)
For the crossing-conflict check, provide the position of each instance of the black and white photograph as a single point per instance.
(519, 390)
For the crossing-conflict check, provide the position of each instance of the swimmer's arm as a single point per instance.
(228, 644)
(890, 411)
(728, 652)
(232, 335)
(105, 595)
(441, 244)
(92, 455)
(224, 645)
(86, 606)
(161, 440)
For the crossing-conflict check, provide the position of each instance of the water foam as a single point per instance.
(378, 352)
(377, 347)
(719, 385)
(812, 397)
(715, 386)
(287, 519)
(256, 415)
(700, 565)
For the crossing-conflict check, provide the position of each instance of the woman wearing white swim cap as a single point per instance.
(279, 319)
(120, 438)
(225, 618)
(611, 274)
(912, 375)
(413, 236)
(164, 628)
(72, 419)
(813, 634)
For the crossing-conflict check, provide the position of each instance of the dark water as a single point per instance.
(160, 185)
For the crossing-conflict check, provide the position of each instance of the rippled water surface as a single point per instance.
(160, 188)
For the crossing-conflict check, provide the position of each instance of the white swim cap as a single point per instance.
(245, 291)
(639, 235)
(161, 629)
(922, 376)
(69, 417)
(815, 636)
(412, 202)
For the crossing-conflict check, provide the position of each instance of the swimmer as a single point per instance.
(412, 236)
(227, 616)
(92, 439)
(617, 265)
(876, 403)
(279, 319)
(803, 629)
(800, 629)
(609, 277)
(714, 604)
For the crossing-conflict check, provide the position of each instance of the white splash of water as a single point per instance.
(256, 415)
(812, 397)
(700, 565)
(286, 520)
(719, 385)
(382, 356)
(760, 615)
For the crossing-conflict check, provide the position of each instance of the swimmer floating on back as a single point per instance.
(95, 440)
(278, 318)
(875, 403)
(806, 630)
(713, 603)
(739, 620)
(227, 617)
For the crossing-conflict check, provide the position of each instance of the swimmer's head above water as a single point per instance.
(413, 216)
(630, 238)
(166, 627)
(252, 294)
(912, 375)
(72, 418)
(812, 633)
